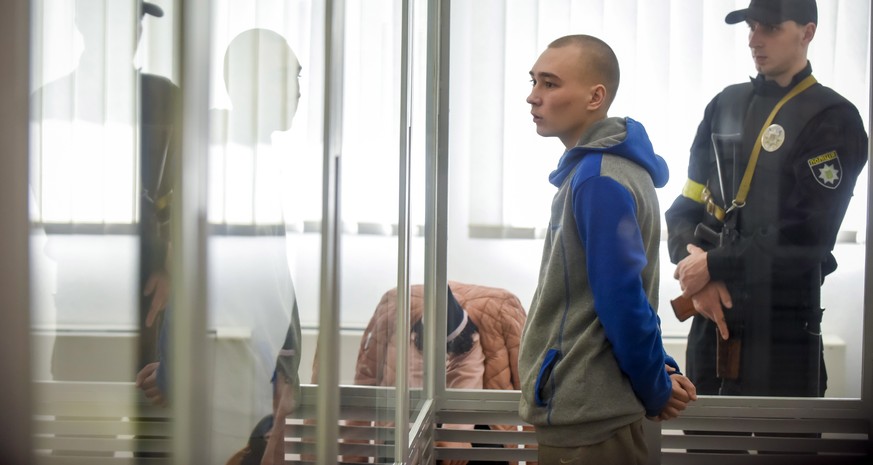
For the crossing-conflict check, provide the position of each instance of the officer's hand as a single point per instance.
(158, 287)
(147, 382)
(692, 271)
(710, 302)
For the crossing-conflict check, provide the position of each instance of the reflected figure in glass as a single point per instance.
(103, 136)
(249, 279)
(160, 140)
(86, 126)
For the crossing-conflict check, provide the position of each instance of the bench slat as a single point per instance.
(97, 423)
(121, 426)
(101, 444)
(44, 459)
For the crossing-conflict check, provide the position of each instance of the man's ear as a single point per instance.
(808, 33)
(598, 97)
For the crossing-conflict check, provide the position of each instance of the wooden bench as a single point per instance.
(98, 423)
(367, 413)
(111, 423)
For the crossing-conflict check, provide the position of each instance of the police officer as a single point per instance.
(160, 143)
(771, 172)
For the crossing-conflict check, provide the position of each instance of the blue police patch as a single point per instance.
(826, 169)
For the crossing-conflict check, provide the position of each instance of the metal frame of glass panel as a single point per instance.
(190, 377)
(328, 331)
(16, 440)
(402, 323)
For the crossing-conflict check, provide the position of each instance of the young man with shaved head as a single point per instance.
(592, 363)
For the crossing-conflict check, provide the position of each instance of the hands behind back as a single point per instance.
(683, 393)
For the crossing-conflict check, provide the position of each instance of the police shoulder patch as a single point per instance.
(826, 169)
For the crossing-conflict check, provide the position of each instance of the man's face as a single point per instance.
(560, 94)
(262, 80)
(779, 51)
(279, 88)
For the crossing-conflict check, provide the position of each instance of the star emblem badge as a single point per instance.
(828, 174)
(826, 169)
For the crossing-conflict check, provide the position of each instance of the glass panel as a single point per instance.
(686, 56)
(370, 187)
(105, 136)
(102, 134)
(492, 277)
(788, 230)
(264, 189)
(417, 165)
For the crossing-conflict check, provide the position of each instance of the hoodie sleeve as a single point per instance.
(605, 215)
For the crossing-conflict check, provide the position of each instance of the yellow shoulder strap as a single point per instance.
(740, 200)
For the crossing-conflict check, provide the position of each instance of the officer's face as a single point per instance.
(779, 51)
(561, 90)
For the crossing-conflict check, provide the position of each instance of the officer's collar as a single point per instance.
(771, 88)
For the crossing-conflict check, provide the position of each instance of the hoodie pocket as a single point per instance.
(544, 377)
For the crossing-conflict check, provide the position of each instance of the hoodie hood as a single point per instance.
(622, 137)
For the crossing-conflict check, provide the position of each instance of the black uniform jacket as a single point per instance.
(800, 190)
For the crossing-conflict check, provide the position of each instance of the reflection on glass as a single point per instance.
(250, 277)
(159, 134)
(263, 204)
(102, 132)
(417, 144)
(370, 200)
(159, 144)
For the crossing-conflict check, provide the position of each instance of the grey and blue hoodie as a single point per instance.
(591, 358)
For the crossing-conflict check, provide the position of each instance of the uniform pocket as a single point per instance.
(544, 377)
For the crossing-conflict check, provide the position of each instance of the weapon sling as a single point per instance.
(683, 308)
(728, 353)
(740, 200)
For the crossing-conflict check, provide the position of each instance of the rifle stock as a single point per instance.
(728, 358)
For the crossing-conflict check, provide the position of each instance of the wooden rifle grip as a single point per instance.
(683, 308)
(728, 357)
